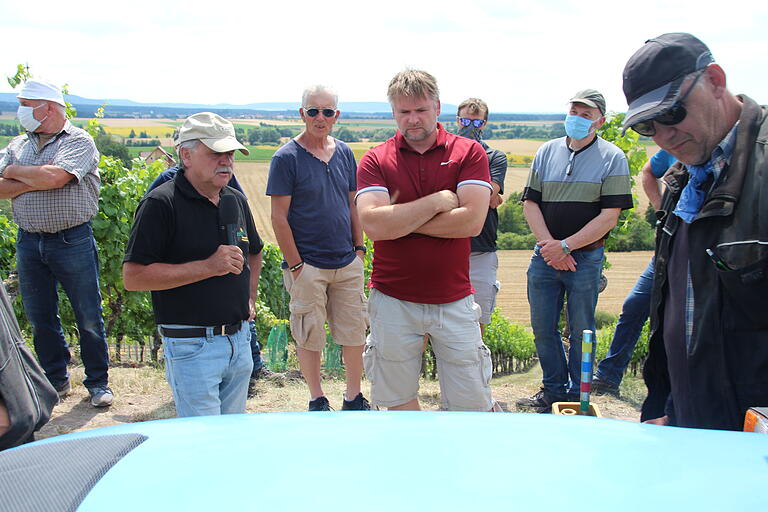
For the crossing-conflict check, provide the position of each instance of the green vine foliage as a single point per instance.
(8, 231)
(630, 234)
(125, 313)
(511, 345)
(271, 290)
(605, 337)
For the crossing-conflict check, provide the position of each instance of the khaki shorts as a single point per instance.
(333, 294)
(482, 273)
(392, 356)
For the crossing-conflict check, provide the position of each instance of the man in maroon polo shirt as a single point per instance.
(421, 195)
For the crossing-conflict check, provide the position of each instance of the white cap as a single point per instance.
(39, 90)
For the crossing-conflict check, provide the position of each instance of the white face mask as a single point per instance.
(27, 117)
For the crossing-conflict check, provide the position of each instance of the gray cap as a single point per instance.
(590, 98)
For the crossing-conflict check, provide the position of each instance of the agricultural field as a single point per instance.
(126, 122)
(154, 132)
(516, 146)
(512, 299)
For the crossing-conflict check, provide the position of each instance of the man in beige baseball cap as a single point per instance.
(195, 246)
(212, 130)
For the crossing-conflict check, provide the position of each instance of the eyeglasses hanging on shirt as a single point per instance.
(571, 160)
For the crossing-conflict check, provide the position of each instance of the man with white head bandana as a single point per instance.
(51, 175)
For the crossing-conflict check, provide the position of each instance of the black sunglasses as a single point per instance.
(670, 117)
(312, 111)
(477, 123)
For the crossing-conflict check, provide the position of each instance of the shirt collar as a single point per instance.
(66, 128)
(721, 155)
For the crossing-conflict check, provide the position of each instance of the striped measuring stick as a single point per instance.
(587, 344)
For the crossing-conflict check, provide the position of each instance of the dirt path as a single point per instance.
(143, 394)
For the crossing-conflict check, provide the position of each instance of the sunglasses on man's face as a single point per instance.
(673, 115)
(477, 123)
(327, 112)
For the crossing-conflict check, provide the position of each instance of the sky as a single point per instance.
(517, 56)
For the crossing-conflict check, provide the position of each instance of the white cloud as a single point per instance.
(518, 56)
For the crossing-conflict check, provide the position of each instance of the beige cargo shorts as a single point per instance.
(335, 295)
(392, 356)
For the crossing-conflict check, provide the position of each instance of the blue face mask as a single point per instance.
(577, 127)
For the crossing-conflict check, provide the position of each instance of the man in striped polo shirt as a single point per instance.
(576, 190)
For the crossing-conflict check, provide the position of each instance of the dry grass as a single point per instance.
(142, 394)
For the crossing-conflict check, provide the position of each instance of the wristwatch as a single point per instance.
(564, 245)
(360, 248)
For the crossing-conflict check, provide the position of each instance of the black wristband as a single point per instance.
(361, 248)
(296, 266)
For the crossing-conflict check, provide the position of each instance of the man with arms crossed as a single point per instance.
(203, 290)
(312, 184)
(421, 196)
(51, 175)
(472, 116)
(576, 190)
(708, 355)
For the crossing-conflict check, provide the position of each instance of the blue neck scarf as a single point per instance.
(693, 195)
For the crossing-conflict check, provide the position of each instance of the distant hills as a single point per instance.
(86, 107)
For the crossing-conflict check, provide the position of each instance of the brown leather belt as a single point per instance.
(200, 332)
(593, 245)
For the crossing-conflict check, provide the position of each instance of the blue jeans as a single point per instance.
(634, 313)
(208, 375)
(255, 348)
(547, 289)
(67, 257)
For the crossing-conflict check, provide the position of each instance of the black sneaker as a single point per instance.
(319, 404)
(603, 387)
(541, 401)
(63, 389)
(263, 373)
(359, 403)
(252, 391)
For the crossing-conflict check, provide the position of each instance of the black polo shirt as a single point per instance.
(176, 224)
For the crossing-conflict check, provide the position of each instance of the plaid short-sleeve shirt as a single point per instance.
(77, 202)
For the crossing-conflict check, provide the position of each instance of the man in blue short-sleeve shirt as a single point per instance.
(312, 184)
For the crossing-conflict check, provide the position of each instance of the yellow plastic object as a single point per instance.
(572, 409)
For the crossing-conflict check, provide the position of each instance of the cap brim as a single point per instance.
(224, 145)
(585, 101)
(652, 103)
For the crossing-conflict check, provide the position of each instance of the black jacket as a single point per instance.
(27, 394)
(727, 359)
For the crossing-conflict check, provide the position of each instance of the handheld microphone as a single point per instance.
(228, 216)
